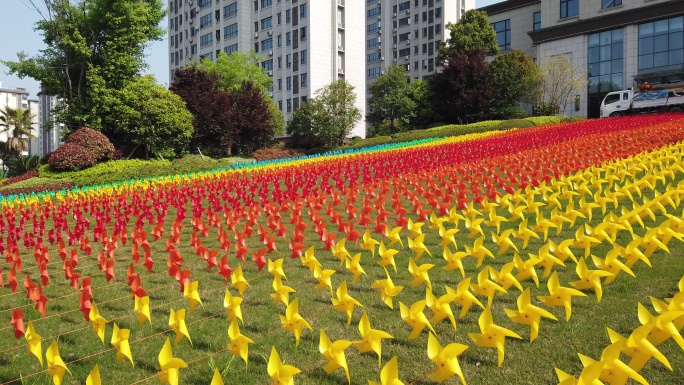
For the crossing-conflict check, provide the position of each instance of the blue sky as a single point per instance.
(18, 35)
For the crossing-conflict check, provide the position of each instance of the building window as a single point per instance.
(288, 16)
(405, 21)
(373, 57)
(303, 11)
(288, 83)
(302, 34)
(288, 38)
(280, 40)
(230, 31)
(406, 5)
(374, 42)
(206, 40)
(569, 8)
(303, 79)
(289, 105)
(373, 28)
(303, 56)
(604, 61)
(209, 56)
(661, 43)
(193, 49)
(503, 34)
(267, 65)
(610, 3)
(288, 61)
(404, 36)
(266, 3)
(374, 72)
(266, 44)
(536, 23)
(205, 21)
(230, 10)
(230, 49)
(373, 12)
(267, 23)
(203, 3)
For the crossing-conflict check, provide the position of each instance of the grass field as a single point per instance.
(525, 363)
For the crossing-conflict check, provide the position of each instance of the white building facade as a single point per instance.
(50, 133)
(619, 43)
(304, 45)
(19, 98)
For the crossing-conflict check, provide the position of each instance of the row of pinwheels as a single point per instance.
(201, 229)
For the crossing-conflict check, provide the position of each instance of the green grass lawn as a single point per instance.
(525, 363)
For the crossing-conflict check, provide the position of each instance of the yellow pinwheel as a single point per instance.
(232, 306)
(441, 307)
(415, 318)
(345, 302)
(526, 269)
(191, 294)
(239, 344)
(275, 268)
(505, 277)
(371, 339)
(309, 260)
(436, 222)
(389, 375)
(528, 314)
(663, 327)
(495, 220)
(387, 289)
(293, 322)
(323, 278)
(177, 324)
(420, 273)
(589, 279)
(446, 359)
(353, 265)
(98, 322)
(463, 296)
(387, 256)
(170, 366)
(368, 243)
(238, 281)
(394, 236)
(281, 293)
(491, 335)
(479, 251)
(454, 260)
(638, 347)
(486, 287)
(55, 365)
(339, 251)
(609, 369)
(334, 353)
(33, 340)
(217, 379)
(120, 342)
(611, 264)
(415, 228)
(279, 373)
(94, 377)
(448, 236)
(524, 233)
(559, 295)
(566, 379)
(418, 246)
(142, 309)
(504, 241)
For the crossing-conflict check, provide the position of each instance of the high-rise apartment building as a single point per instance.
(408, 33)
(304, 45)
(50, 135)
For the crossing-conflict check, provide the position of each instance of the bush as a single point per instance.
(20, 165)
(29, 190)
(544, 120)
(28, 175)
(510, 113)
(514, 123)
(570, 119)
(193, 163)
(93, 141)
(71, 156)
(29, 183)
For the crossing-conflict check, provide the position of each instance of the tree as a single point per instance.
(515, 79)
(150, 119)
(424, 112)
(561, 79)
(472, 31)
(462, 91)
(249, 119)
(328, 118)
(16, 124)
(94, 48)
(210, 106)
(390, 102)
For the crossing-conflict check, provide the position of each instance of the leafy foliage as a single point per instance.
(71, 156)
(515, 79)
(327, 119)
(21, 165)
(277, 152)
(27, 175)
(150, 118)
(424, 114)
(94, 48)
(561, 79)
(250, 119)
(473, 31)
(231, 71)
(462, 91)
(93, 141)
(16, 124)
(390, 104)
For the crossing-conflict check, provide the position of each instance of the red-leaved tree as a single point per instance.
(250, 119)
(462, 91)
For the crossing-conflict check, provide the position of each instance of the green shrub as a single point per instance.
(570, 119)
(511, 112)
(28, 183)
(514, 123)
(543, 120)
(193, 163)
(101, 169)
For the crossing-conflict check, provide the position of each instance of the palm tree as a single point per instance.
(16, 122)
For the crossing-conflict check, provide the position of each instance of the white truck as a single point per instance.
(628, 102)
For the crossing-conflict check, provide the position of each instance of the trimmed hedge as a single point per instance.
(19, 178)
(37, 189)
(29, 183)
(514, 123)
(93, 141)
